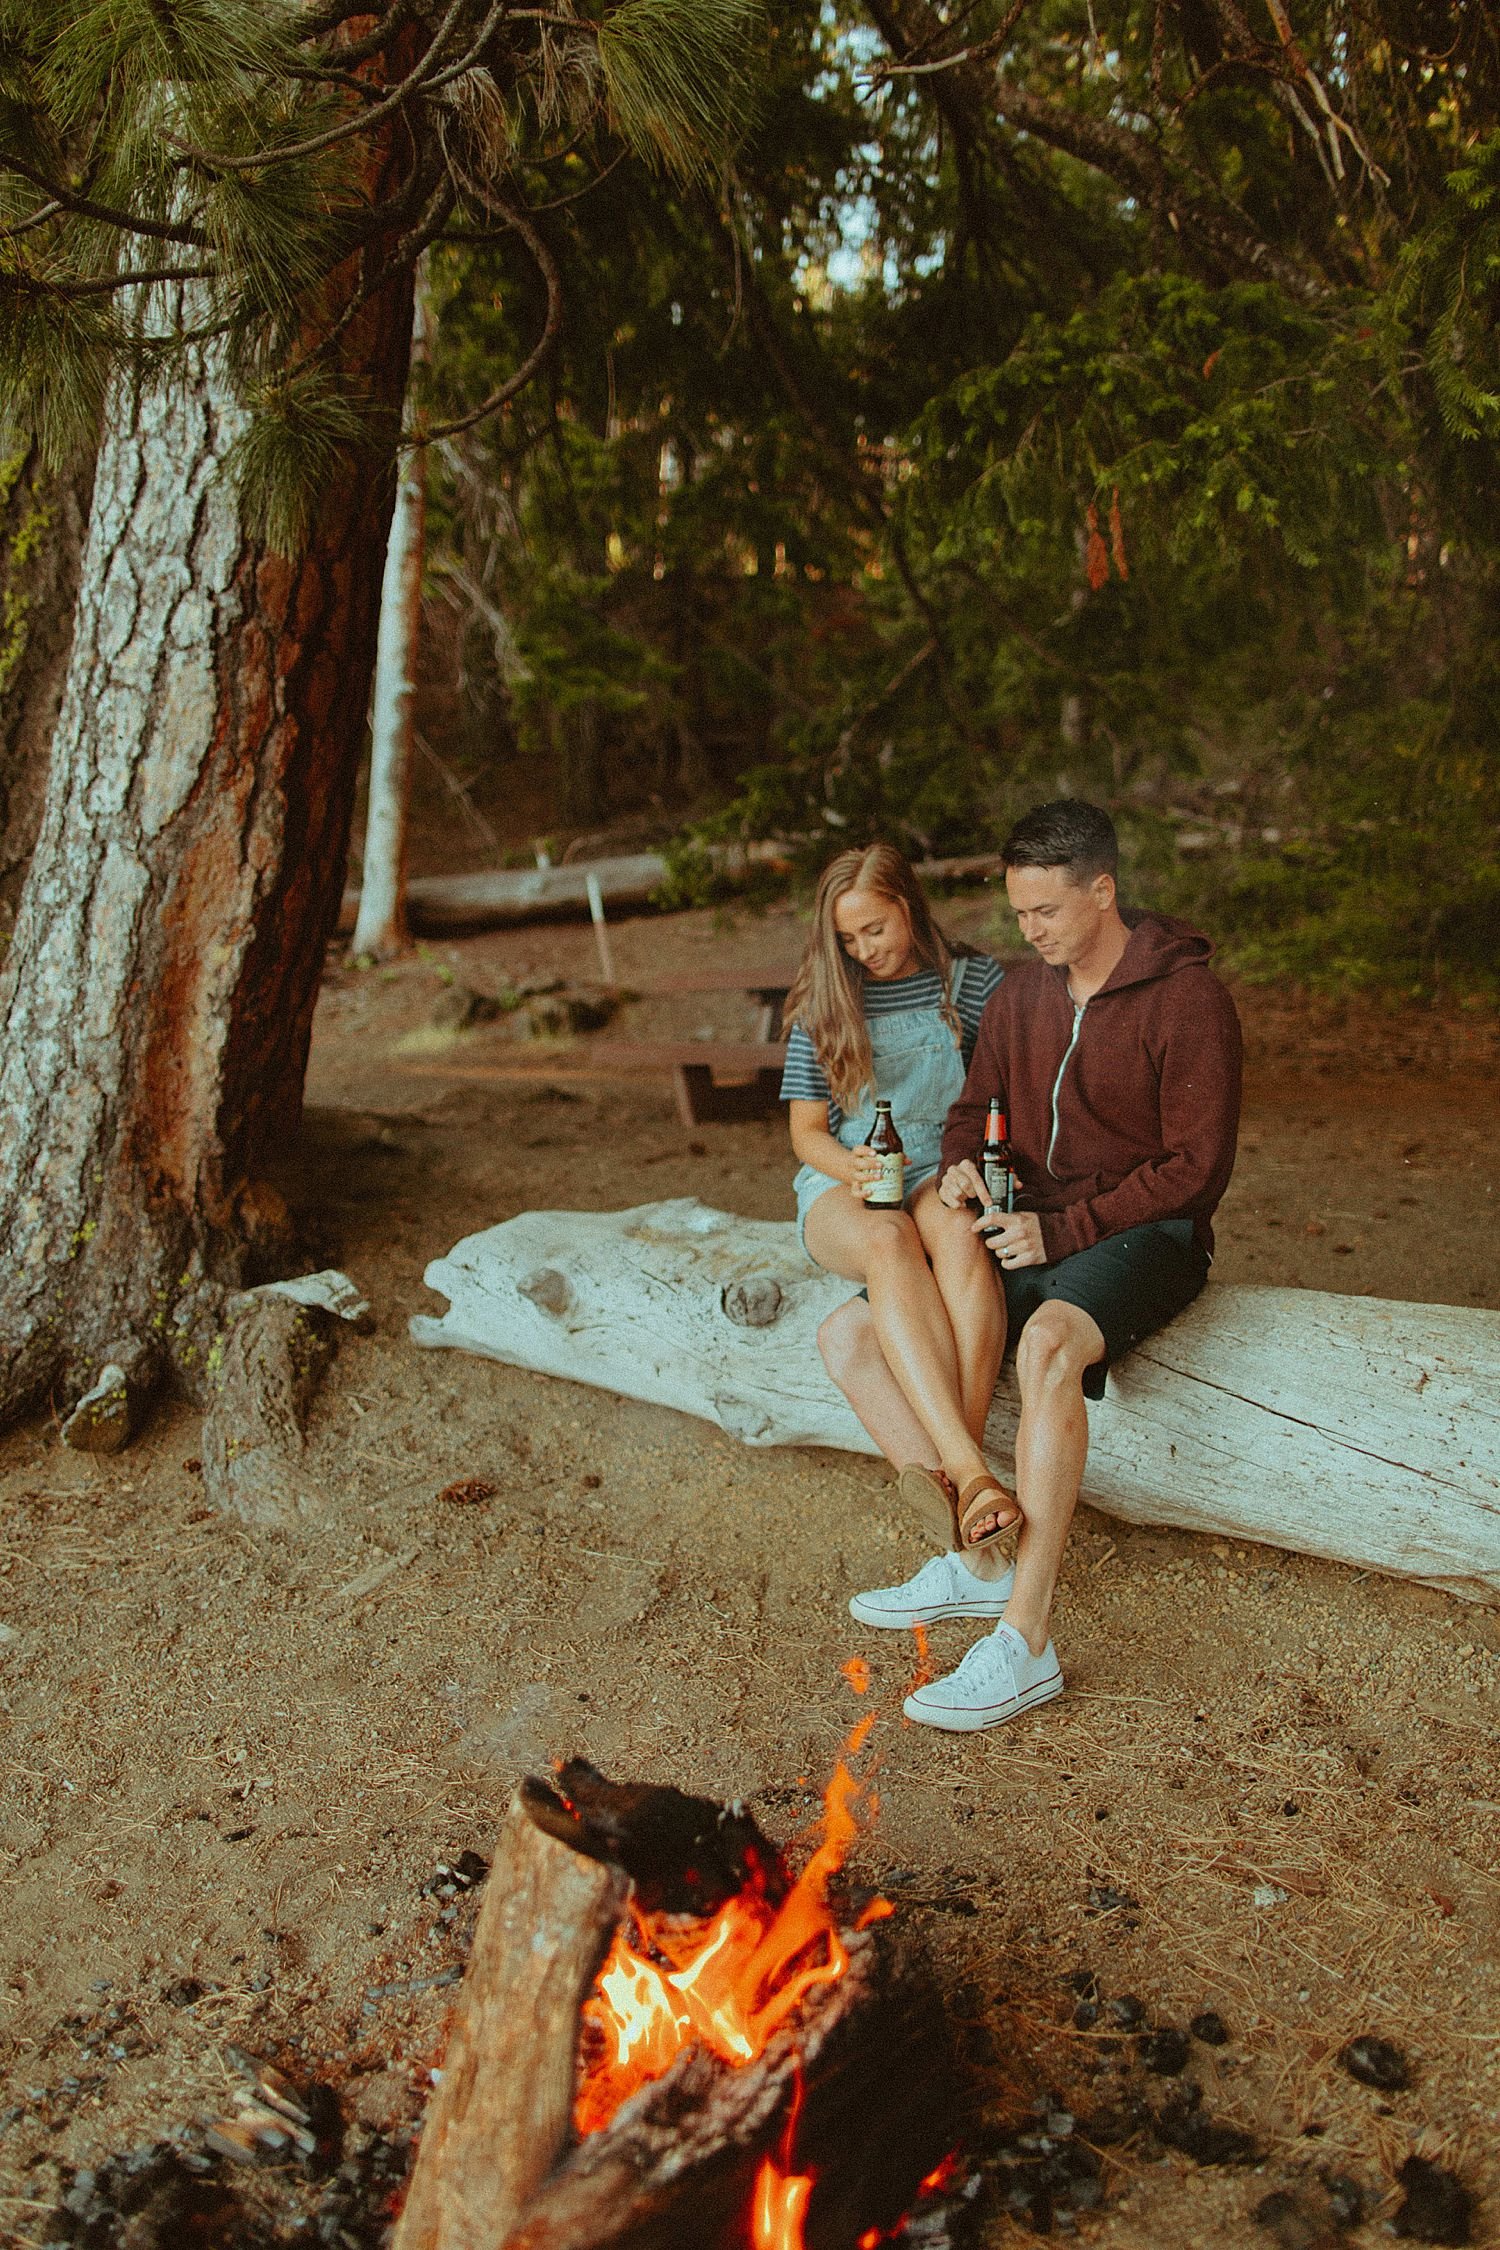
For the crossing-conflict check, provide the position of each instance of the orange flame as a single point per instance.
(777, 2211)
(726, 1984)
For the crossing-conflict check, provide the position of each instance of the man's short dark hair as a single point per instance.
(1068, 833)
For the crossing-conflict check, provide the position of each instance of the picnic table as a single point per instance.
(715, 1080)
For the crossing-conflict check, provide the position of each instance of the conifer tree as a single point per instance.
(210, 211)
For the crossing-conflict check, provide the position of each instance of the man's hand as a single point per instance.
(960, 1184)
(1016, 1240)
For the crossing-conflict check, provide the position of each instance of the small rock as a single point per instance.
(1104, 1898)
(1437, 2206)
(1084, 1982)
(1346, 2199)
(468, 1492)
(1085, 2015)
(101, 1421)
(1266, 1895)
(1210, 2027)
(183, 1993)
(1165, 2051)
(1375, 2062)
(1127, 2011)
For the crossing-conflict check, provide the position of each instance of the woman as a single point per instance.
(884, 1006)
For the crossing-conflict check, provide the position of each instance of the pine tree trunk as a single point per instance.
(157, 1003)
(43, 522)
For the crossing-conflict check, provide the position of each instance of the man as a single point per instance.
(1116, 1056)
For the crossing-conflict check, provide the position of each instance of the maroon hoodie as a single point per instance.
(1120, 1111)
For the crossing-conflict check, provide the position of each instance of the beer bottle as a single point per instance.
(888, 1193)
(995, 1163)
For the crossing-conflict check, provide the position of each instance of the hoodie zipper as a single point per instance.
(1078, 1008)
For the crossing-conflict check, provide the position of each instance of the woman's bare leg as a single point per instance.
(853, 1357)
(884, 1250)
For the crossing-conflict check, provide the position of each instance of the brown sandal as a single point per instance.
(943, 1511)
(933, 1500)
(972, 1503)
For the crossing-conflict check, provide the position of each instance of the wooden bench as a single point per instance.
(747, 1084)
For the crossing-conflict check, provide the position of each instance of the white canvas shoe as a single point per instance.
(943, 1587)
(998, 1679)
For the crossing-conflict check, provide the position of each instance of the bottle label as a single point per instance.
(1000, 1182)
(889, 1191)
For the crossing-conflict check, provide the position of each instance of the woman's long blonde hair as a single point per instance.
(826, 994)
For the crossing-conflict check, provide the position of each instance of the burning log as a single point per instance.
(1339, 1426)
(740, 2060)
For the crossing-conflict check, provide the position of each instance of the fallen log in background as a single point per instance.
(1350, 1427)
(494, 898)
(865, 2061)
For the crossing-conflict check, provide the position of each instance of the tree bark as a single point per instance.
(43, 522)
(157, 1002)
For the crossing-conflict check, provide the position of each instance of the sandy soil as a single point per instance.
(233, 1759)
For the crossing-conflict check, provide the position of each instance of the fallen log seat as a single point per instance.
(1349, 1427)
(751, 1068)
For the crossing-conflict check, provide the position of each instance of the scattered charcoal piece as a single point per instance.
(1127, 2011)
(1375, 2062)
(183, 1992)
(1085, 1983)
(154, 2198)
(1182, 2125)
(591, 1480)
(1437, 2206)
(1294, 2219)
(451, 1877)
(467, 1492)
(1105, 1898)
(1346, 2199)
(1085, 2015)
(1211, 2028)
(1165, 2052)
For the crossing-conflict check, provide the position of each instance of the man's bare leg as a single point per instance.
(1052, 1442)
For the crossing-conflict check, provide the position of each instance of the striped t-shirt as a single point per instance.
(802, 1079)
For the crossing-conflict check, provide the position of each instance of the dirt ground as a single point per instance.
(233, 1758)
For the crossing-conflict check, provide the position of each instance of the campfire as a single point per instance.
(667, 2038)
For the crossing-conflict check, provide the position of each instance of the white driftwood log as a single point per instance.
(1341, 1426)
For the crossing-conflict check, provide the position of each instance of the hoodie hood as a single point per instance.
(1159, 945)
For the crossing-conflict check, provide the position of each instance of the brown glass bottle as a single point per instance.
(996, 1164)
(888, 1193)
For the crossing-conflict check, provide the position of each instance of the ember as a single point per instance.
(726, 1984)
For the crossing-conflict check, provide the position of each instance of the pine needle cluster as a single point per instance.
(243, 176)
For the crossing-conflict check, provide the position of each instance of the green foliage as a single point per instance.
(679, 77)
(298, 427)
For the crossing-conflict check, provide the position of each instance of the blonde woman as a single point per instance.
(884, 1005)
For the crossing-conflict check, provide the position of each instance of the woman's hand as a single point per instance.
(865, 1168)
(813, 1144)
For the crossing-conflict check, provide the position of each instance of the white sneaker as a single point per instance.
(998, 1679)
(943, 1587)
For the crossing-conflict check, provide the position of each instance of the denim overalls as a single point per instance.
(920, 1071)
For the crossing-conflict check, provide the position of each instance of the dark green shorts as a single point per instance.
(1131, 1284)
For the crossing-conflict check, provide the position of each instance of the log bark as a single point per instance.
(157, 1001)
(503, 2105)
(1348, 1427)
